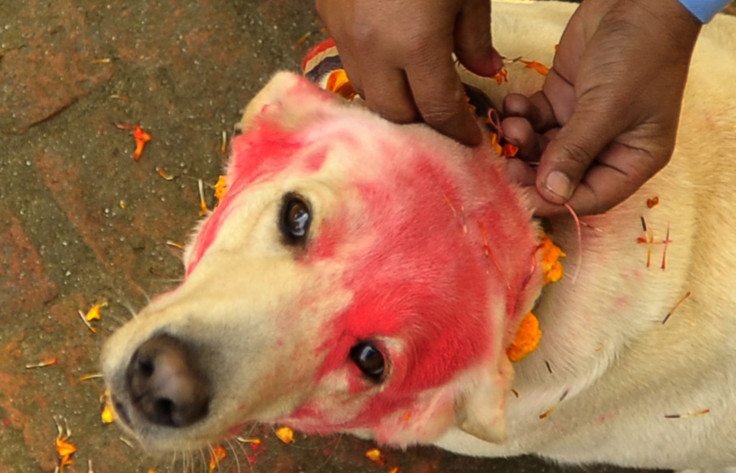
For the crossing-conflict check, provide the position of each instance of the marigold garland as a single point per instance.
(528, 336)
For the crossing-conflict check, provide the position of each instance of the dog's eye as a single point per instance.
(295, 219)
(369, 359)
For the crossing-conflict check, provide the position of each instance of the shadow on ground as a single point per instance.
(82, 223)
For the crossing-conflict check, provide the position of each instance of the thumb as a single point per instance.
(473, 45)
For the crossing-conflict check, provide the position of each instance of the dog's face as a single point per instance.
(358, 276)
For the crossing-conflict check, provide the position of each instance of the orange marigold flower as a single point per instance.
(339, 83)
(527, 339)
(551, 265)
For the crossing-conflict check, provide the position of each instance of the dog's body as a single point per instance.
(343, 236)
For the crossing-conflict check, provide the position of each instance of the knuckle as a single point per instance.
(577, 154)
(441, 113)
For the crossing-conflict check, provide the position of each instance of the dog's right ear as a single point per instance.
(289, 100)
(482, 409)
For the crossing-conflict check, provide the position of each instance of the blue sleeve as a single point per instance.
(704, 10)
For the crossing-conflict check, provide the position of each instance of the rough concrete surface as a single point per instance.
(81, 222)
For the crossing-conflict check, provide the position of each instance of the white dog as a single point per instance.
(367, 277)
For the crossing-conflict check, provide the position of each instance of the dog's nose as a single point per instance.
(165, 384)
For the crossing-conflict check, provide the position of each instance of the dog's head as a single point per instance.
(358, 276)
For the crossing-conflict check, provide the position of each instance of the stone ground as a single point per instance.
(81, 222)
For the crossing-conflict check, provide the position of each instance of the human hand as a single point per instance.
(397, 54)
(606, 118)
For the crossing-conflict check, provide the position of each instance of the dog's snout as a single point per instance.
(165, 384)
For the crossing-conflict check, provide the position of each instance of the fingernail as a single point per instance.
(558, 183)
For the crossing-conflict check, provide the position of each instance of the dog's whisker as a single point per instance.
(131, 310)
(204, 457)
(231, 446)
(117, 319)
(127, 442)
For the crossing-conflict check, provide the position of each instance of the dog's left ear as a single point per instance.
(482, 410)
(289, 100)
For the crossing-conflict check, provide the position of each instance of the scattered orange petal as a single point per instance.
(120, 97)
(509, 150)
(537, 66)
(549, 411)
(87, 377)
(375, 455)
(203, 210)
(41, 364)
(176, 245)
(164, 174)
(217, 454)
(141, 138)
(501, 76)
(394, 470)
(220, 188)
(652, 202)
(94, 312)
(285, 434)
(107, 415)
(223, 145)
(64, 448)
(304, 38)
(86, 322)
(685, 416)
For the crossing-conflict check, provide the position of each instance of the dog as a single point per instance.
(366, 277)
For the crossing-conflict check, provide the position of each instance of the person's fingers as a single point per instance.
(595, 123)
(606, 184)
(440, 98)
(520, 173)
(387, 93)
(535, 108)
(519, 132)
(525, 177)
(473, 43)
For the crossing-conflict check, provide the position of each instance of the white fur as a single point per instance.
(604, 340)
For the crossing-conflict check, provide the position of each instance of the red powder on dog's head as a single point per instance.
(264, 151)
(425, 278)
